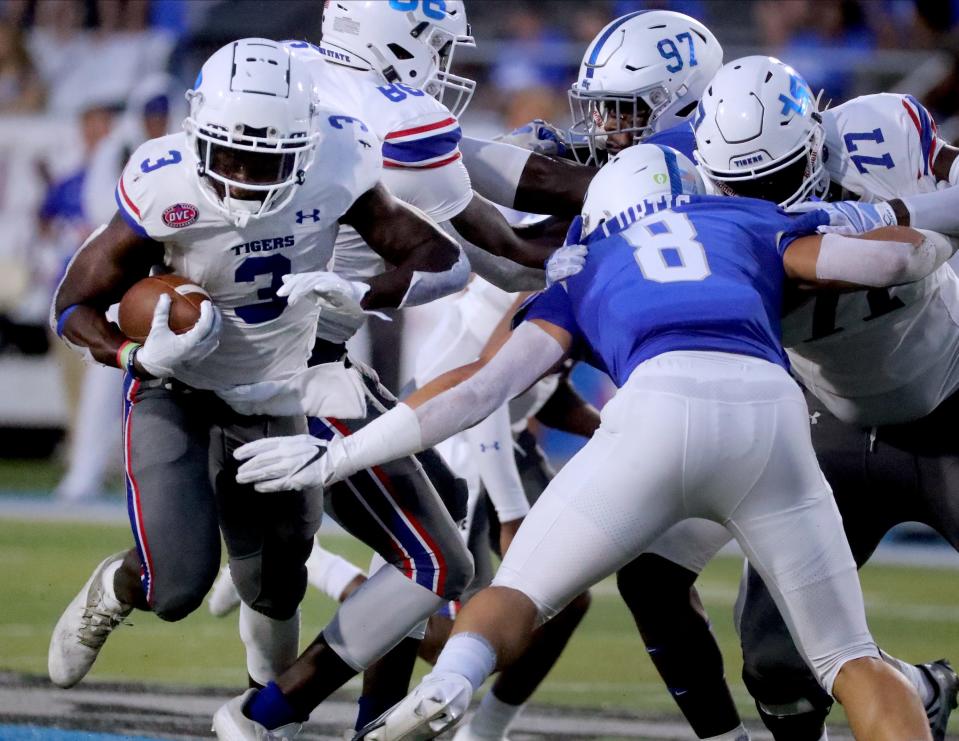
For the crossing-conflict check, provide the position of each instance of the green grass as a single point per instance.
(914, 613)
(28, 475)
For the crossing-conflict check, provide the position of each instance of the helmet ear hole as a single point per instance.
(399, 52)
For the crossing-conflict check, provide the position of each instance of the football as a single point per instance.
(139, 302)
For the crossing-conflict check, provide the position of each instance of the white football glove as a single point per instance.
(569, 259)
(287, 463)
(341, 314)
(164, 352)
(850, 217)
(538, 136)
(326, 390)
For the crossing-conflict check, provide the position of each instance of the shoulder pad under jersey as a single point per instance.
(158, 193)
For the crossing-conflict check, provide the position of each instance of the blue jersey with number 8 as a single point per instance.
(706, 274)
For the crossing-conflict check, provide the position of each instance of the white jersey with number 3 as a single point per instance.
(241, 268)
(881, 356)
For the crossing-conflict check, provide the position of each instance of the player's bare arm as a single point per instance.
(883, 257)
(112, 261)
(451, 403)
(552, 186)
(525, 180)
(426, 262)
(483, 225)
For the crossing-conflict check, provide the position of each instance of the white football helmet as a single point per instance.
(645, 173)
(643, 73)
(758, 133)
(405, 41)
(252, 128)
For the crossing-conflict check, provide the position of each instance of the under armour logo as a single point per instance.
(484, 447)
(584, 84)
(814, 418)
(301, 217)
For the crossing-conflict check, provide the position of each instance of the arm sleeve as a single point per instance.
(500, 271)
(402, 431)
(523, 359)
(937, 211)
(878, 263)
(495, 168)
(492, 447)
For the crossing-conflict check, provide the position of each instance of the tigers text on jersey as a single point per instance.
(706, 274)
(881, 356)
(262, 338)
(422, 164)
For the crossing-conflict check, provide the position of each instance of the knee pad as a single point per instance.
(277, 597)
(792, 705)
(797, 722)
(362, 631)
(175, 598)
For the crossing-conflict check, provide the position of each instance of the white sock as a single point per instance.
(328, 572)
(493, 717)
(739, 733)
(110, 599)
(468, 654)
(271, 645)
(927, 693)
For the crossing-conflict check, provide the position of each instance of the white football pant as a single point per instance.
(716, 436)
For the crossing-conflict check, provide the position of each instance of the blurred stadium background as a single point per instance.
(82, 82)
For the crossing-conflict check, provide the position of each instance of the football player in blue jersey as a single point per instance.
(679, 302)
(641, 79)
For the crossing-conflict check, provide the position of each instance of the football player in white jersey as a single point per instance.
(881, 366)
(247, 204)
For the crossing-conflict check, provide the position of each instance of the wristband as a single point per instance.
(126, 356)
(61, 322)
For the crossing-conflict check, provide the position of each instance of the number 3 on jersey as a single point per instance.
(270, 305)
(669, 251)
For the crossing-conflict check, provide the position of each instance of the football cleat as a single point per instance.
(84, 627)
(943, 677)
(223, 598)
(231, 724)
(435, 706)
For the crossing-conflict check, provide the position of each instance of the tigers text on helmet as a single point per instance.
(252, 127)
(643, 73)
(758, 133)
(635, 183)
(405, 41)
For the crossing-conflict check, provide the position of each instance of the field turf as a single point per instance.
(914, 612)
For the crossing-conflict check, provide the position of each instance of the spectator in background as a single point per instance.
(530, 66)
(21, 90)
(80, 61)
(63, 225)
(698, 9)
(824, 39)
(153, 110)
